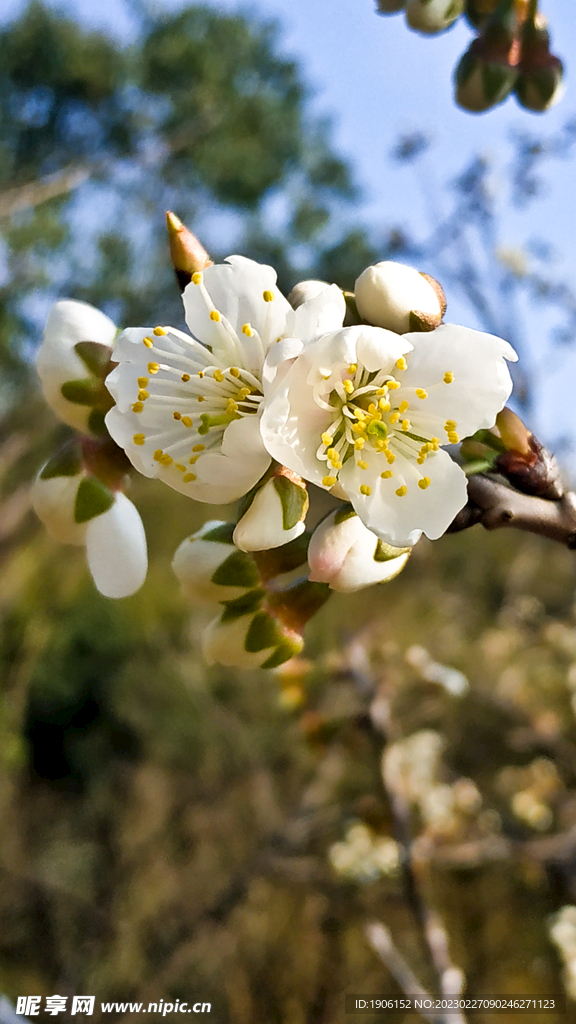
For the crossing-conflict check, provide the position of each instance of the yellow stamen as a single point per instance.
(153, 368)
(448, 377)
(364, 489)
(359, 443)
(421, 393)
(198, 447)
(403, 406)
(148, 342)
(348, 386)
(450, 425)
(189, 478)
(143, 395)
(401, 363)
(138, 439)
(177, 415)
(424, 483)
(200, 398)
(401, 491)
(166, 460)
(384, 405)
(395, 417)
(179, 467)
(453, 437)
(197, 278)
(201, 374)
(158, 454)
(185, 377)
(393, 385)
(390, 458)
(234, 371)
(137, 407)
(267, 296)
(328, 481)
(215, 316)
(218, 375)
(159, 332)
(142, 382)
(187, 421)
(247, 330)
(352, 368)
(386, 474)
(193, 460)
(405, 424)
(326, 438)
(363, 465)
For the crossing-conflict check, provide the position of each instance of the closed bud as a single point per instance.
(478, 11)
(276, 514)
(486, 74)
(529, 466)
(187, 253)
(431, 16)
(72, 363)
(399, 298)
(347, 556)
(539, 84)
(210, 567)
(78, 508)
(254, 638)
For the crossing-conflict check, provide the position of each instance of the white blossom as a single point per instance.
(349, 557)
(366, 412)
(58, 363)
(188, 407)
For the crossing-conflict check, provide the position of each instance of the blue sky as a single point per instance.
(376, 79)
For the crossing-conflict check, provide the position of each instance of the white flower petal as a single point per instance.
(400, 520)
(223, 644)
(116, 549)
(320, 313)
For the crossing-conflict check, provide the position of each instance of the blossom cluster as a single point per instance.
(266, 402)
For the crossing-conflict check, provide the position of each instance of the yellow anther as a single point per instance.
(234, 371)
(386, 474)
(336, 464)
(142, 382)
(363, 465)
(325, 376)
(453, 437)
(267, 296)
(450, 425)
(332, 453)
(421, 460)
(185, 377)
(193, 460)
(358, 428)
(137, 407)
(215, 316)
(153, 368)
(367, 491)
(247, 330)
(359, 443)
(401, 363)
(403, 406)
(177, 415)
(179, 467)
(384, 404)
(148, 342)
(199, 447)
(200, 398)
(197, 278)
(352, 368)
(138, 439)
(143, 395)
(393, 385)
(231, 405)
(189, 478)
(424, 483)
(326, 438)
(328, 481)
(390, 458)
(159, 332)
(381, 391)
(421, 393)
(348, 386)
(218, 375)
(187, 421)
(405, 424)
(381, 444)
(201, 374)
(359, 413)
(158, 454)
(395, 417)
(448, 377)
(401, 491)
(371, 408)
(166, 460)
(243, 393)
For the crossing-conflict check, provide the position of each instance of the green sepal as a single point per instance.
(82, 392)
(238, 570)
(94, 356)
(97, 423)
(294, 501)
(497, 81)
(64, 463)
(93, 498)
(385, 552)
(277, 561)
(489, 439)
(242, 605)
(480, 465)
(286, 650)
(419, 322)
(344, 512)
(263, 632)
(220, 534)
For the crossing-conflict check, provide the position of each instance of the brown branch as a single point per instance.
(494, 505)
(23, 197)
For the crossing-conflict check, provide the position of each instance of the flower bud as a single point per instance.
(430, 16)
(349, 557)
(478, 11)
(210, 568)
(539, 84)
(306, 290)
(275, 516)
(188, 255)
(487, 72)
(78, 508)
(399, 298)
(72, 362)
(255, 639)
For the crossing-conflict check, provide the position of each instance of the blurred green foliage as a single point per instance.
(166, 828)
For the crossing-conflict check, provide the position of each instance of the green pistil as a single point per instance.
(216, 421)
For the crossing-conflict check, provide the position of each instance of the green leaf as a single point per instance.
(294, 501)
(93, 498)
(82, 392)
(263, 632)
(94, 356)
(238, 570)
(65, 463)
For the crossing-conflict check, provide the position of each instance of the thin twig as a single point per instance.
(494, 505)
(381, 941)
